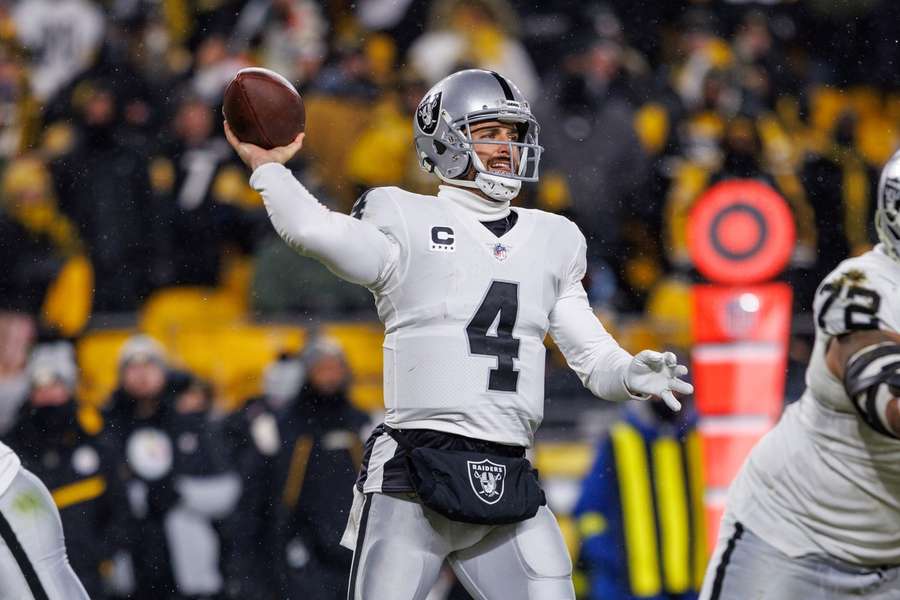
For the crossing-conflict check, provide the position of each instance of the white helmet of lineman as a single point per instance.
(887, 211)
(442, 129)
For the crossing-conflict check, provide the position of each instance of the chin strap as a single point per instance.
(501, 189)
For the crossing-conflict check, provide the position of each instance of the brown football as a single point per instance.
(263, 108)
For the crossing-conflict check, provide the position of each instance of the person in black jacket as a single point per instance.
(295, 515)
(251, 434)
(62, 444)
(138, 416)
(321, 452)
(181, 483)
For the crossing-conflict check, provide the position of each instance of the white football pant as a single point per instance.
(744, 567)
(400, 546)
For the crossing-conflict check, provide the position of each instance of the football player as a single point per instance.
(815, 510)
(33, 560)
(467, 288)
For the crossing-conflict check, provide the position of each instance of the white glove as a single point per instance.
(656, 374)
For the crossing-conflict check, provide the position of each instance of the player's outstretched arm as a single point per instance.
(355, 250)
(604, 367)
(868, 362)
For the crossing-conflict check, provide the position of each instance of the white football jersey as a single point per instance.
(9, 466)
(466, 313)
(823, 480)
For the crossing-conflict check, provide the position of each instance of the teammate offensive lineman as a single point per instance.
(467, 289)
(815, 511)
(33, 561)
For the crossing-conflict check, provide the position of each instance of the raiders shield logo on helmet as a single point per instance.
(427, 113)
(487, 480)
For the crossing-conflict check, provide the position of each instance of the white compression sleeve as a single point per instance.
(352, 249)
(589, 349)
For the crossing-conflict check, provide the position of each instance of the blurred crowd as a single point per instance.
(116, 180)
(163, 497)
(116, 184)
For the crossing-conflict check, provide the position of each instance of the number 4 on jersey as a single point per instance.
(500, 305)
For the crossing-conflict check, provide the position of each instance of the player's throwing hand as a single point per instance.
(254, 156)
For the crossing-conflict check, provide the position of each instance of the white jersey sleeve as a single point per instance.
(9, 466)
(353, 249)
(589, 349)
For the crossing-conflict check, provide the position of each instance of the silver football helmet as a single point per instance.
(442, 129)
(887, 210)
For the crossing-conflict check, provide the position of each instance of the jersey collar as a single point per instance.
(473, 204)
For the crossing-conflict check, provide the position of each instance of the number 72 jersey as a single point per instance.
(466, 313)
(860, 294)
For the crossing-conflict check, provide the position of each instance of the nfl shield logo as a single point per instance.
(487, 480)
(500, 252)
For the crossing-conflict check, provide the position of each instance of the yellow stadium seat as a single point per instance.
(866, 101)
(362, 346)
(570, 460)
(170, 309)
(233, 356)
(877, 138)
(826, 104)
(98, 359)
(367, 395)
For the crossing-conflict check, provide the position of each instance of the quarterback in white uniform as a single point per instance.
(467, 288)
(815, 511)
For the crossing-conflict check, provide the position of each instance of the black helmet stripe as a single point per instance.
(507, 91)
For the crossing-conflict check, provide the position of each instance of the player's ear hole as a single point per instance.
(439, 147)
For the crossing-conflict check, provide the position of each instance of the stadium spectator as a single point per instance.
(208, 488)
(104, 186)
(640, 513)
(840, 188)
(61, 442)
(37, 238)
(62, 38)
(254, 442)
(294, 39)
(592, 145)
(180, 485)
(473, 34)
(138, 415)
(253, 426)
(209, 209)
(319, 453)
